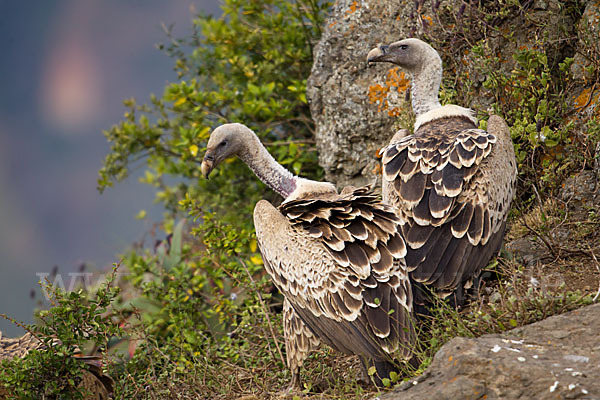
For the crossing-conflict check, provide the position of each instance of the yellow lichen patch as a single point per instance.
(426, 19)
(583, 98)
(378, 94)
(397, 78)
(353, 7)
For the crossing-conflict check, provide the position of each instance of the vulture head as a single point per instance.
(410, 54)
(422, 62)
(224, 142)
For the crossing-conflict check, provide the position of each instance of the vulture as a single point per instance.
(338, 260)
(450, 182)
(94, 382)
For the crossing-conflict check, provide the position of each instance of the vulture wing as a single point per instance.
(451, 184)
(339, 263)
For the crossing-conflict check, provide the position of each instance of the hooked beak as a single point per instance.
(207, 165)
(377, 53)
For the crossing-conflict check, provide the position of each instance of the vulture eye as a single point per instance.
(403, 46)
(223, 143)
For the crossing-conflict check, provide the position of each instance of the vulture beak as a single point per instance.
(207, 165)
(377, 53)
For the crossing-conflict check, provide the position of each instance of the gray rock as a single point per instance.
(528, 249)
(588, 30)
(580, 191)
(558, 358)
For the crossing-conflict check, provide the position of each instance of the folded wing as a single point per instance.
(339, 263)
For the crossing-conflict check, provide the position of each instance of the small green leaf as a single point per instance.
(179, 102)
(141, 215)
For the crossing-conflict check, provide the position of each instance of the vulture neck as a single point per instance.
(425, 86)
(264, 166)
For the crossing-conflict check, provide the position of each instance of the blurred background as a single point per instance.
(65, 68)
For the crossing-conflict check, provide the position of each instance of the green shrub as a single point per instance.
(75, 320)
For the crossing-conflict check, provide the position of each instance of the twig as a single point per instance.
(264, 310)
(577, 251)
(305, 121)
(539, 235)
(598, 268)
(287, 143)
(21, 325)
(539, 199)
(580, 222)
(178, 155)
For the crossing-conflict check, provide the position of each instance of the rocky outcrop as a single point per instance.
(558, 358)
(349, 129)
